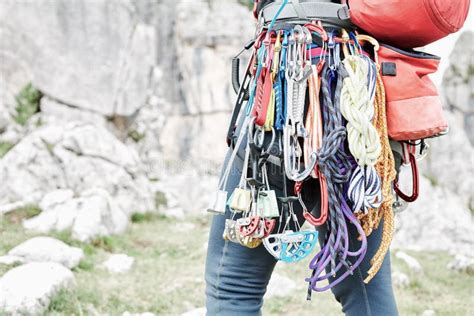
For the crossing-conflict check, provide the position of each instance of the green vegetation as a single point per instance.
(18, 215)
(160, 200)
(168, 275)
(247, 3)
(27, 103)
(144, 217)
(136, 136)
(5, 147)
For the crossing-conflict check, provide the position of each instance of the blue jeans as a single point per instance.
(237, 277)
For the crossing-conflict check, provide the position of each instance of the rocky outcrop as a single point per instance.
(119, 263)
(28, 289)
(437, 220)
(76, 156)
(279, 286)
(462, 263)
(400, 279)
(47, 249)
(92, 56)
(449, 162)
(458, 82)
(114, 58)
(92, 214)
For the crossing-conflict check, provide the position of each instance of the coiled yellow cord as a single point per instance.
(385, 167)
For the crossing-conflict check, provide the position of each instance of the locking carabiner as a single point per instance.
(415, 182)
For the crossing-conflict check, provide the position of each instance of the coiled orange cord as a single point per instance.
(385, 167)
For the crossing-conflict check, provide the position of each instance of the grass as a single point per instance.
(18, 215)
(27, 104)
(136, 136)
(167, 277)
(5, 147)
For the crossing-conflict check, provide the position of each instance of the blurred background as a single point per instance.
(113, 116)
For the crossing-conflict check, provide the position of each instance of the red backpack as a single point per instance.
(409, 23)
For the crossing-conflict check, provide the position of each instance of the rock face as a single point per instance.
(93, 56)
(198, 112)
(187, 192)
(114, 58)
(47, 249)
(28, 289)
(119, 263)
(201, 311)
(400, 279)
(94, 213)
(279, 286)
(438, 220)
(76, 156)
(449, 161)
(458, 82)
(462, 264)
(411, 262)
(450, 157)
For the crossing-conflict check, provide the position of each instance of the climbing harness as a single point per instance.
(318, 101)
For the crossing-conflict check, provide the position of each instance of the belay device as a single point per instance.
(325, 105)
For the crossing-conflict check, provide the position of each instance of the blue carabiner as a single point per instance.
(353, 37)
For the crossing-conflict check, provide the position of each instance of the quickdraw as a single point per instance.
(315, 108)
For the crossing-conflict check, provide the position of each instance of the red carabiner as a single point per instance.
(415, 179)
(324, 205)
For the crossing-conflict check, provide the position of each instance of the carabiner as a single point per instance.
(415, 181)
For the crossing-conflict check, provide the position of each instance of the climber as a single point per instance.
(239, 266)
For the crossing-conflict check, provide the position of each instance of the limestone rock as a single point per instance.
(119, 263)
(76, 156)
(187, 191)
(47, 249)
(53, 111)
(94, 213)
(438, 220)
(10, 260)
(462, 263)
(458, 80)
(279, 286)
(411, 262)
(449, 161)
(195, 312)
(29, 288)
(195, 107)
(138, 314)
(102, 67)
(400, 279)
(55, 198)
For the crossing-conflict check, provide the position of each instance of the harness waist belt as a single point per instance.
(305, 11)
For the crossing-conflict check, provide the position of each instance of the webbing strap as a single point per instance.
(311, 10)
